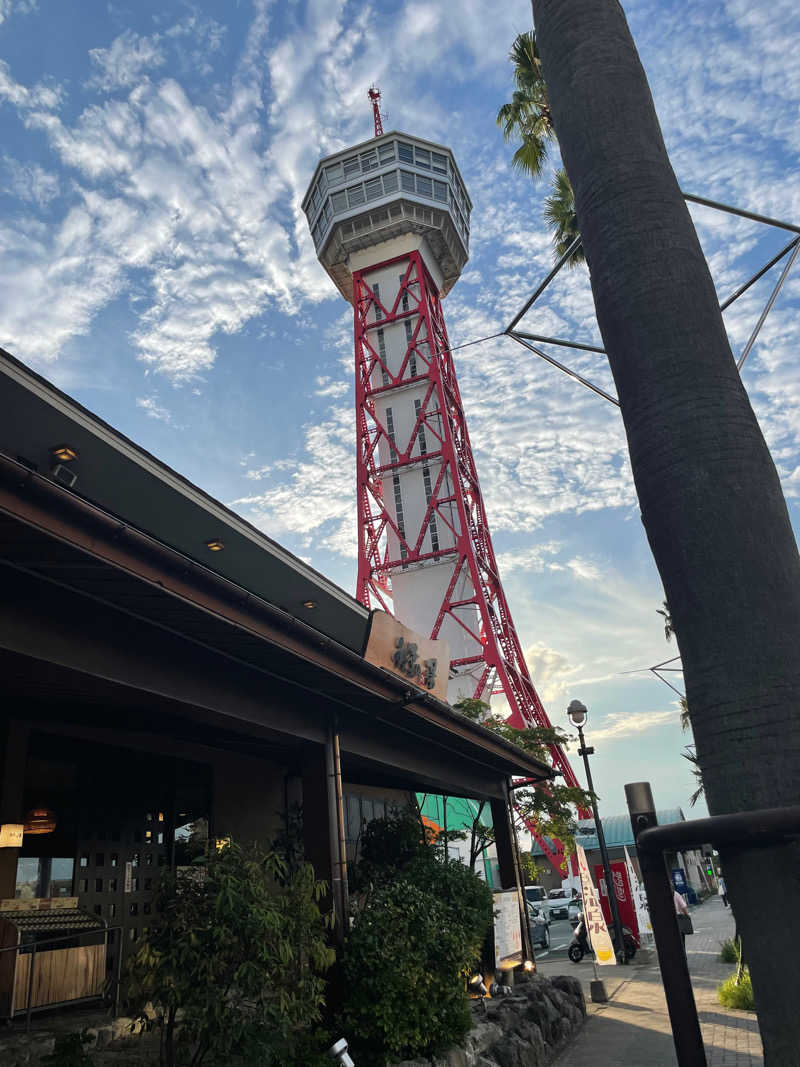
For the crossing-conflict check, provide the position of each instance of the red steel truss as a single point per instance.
(455, 493)
(374, 94)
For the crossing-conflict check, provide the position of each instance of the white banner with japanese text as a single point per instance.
(596, 928)
(639, 902)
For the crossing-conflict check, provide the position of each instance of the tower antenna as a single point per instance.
(374, 94)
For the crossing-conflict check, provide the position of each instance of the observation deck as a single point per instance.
(385, 188)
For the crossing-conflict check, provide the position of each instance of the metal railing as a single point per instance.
(748, 829)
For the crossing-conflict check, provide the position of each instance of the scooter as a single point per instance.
(579, 945)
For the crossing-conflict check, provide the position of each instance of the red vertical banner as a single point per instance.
(625, 904)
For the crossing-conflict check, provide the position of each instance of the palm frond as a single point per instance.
(559, 211)
(527, 115)
(691, 756)
(686, 720)
(530, 157)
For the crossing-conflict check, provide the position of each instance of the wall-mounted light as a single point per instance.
(216, 545)
(64, 453)
(310, 604)
(40, 821)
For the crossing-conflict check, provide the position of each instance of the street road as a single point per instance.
(560, 937)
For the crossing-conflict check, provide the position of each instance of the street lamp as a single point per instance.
(578, 715)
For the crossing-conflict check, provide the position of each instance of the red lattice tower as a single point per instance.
(424, 547)
(374, 94)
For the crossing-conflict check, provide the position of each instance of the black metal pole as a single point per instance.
(601, 837)
(669, 944)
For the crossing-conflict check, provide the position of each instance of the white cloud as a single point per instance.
(585, 569)
(628, 724)
(30, 182)
(534, 558)
(16, 7)
(317, 503)
(124, 62)
(550, 670)
(153, 408)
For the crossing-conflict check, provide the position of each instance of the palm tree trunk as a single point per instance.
(708, 490)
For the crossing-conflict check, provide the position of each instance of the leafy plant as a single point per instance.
(737, 992)
(235, 965)
(729, 951)
(404, 967)
(69, 1050)
(420, 922)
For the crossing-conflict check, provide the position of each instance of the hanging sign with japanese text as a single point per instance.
(592, 914)
(419, 660)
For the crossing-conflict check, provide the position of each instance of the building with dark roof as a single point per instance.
(172, 675)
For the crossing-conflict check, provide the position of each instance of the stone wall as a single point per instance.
(527, 1029)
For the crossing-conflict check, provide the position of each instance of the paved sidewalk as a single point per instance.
(632, 1029)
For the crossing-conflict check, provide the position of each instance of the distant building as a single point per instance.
(619, 836)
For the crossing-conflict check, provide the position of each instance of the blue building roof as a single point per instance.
(617, 830)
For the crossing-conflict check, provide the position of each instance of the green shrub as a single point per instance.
(234, 966)
(738, 996)
(729, 951)
(419, 927)
(404, 966)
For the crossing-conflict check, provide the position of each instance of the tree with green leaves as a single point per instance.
(420, 921)
(551, 808)
(710, 497)
(527, 118)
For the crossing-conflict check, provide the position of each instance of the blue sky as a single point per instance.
(156, 265)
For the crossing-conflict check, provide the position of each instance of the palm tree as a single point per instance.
(709, 495)
(528, 118)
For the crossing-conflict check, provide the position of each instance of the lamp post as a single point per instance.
(578, 715)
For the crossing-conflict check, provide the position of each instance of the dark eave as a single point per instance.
(49, 532)
(129, 483)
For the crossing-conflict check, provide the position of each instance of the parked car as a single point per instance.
(540, 927)
(561, 904)
(536, 895)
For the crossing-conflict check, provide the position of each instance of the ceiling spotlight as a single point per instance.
(310, 604)
(64, 453)
(65, 475)
(215, 546)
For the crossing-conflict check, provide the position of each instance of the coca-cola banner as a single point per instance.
(625, 902)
